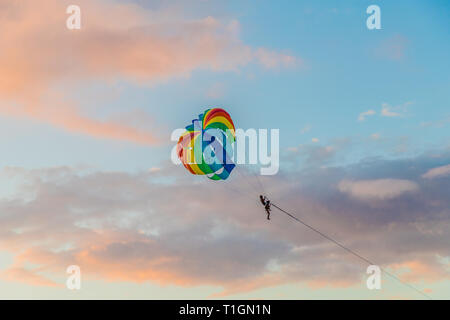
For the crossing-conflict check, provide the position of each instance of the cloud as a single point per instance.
(362, 116)
(411, 271)
(386, 112)
(437, 172)
(436, 124)
(275, 60)
(27, 276)
(398, 111)
(168, 227)
(381, 189)
(117, 42)
(314, 154)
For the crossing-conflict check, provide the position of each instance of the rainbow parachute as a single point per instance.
(206, 146)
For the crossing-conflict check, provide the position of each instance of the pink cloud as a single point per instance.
(116, 41)
(18, 274)
(381, 189)
(414, 270)
(437, 172)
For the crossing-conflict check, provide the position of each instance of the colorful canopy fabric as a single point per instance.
(206, 146)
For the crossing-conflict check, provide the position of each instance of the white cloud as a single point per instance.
(380, 189)
(362, 116)
(437, 172)
(305, 129)
(386, 111)
(274, 60)
(398, 111)
(437, 124)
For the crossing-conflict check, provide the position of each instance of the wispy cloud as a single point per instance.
(437, 172)
(437, 124)
(30, 277)
(274, 60)
(362, 116)
(396, 111)
(386, 111)
(378, 188)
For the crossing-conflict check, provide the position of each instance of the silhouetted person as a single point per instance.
(266, 203)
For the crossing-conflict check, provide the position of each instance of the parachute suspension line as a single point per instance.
(246, 177)
(260, 183)
(239, 193)
(351, 251)
(254, 176)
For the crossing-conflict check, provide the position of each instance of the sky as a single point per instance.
(86, 176)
